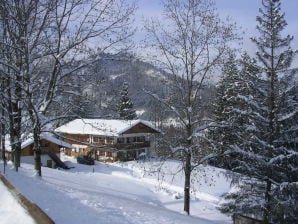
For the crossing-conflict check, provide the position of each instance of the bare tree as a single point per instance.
(53, 38)
(11, 75)
(189, 45)
(3, 119)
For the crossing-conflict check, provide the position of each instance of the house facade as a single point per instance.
(50, 151)
(108, 140)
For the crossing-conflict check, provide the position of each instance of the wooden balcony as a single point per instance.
(130, 146)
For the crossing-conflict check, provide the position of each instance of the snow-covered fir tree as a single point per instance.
(268, 152)
(230, 110)
(125, 107)
(221, 134)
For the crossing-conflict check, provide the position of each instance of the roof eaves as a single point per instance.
(139, 121)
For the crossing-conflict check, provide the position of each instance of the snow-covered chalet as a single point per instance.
(108, 140)
(50, 150)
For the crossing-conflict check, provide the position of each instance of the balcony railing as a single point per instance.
(132, 145)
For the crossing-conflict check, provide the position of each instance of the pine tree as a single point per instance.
(278, 129)
(231, 113)
(268, 131)
(222, 134)
(125, 106)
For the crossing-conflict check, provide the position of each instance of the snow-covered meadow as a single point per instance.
(132, 192)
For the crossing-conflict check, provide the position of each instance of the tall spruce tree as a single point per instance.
(230, 111)
(222, 133)
(277, 128)
(268, 131)
(125, 106)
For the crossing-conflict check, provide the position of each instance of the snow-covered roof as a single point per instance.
(49, 138)
(44, 136)
(102, 127)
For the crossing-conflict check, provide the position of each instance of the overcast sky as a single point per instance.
(243, 12)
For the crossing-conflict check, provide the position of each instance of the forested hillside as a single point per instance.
(98, 88)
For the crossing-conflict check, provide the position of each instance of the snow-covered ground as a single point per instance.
(122, 193)
(11, 212)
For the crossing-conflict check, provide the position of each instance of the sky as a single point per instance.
(243, 12)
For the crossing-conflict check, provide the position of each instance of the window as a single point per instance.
(140, 139)
(96, 139)
(44, 144)
(129, 140)
(120, 140)
(108, 154)
(99, 140)
(108, 140)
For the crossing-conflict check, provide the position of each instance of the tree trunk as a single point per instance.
(187, 172)
(37, 149)
(2, 140)
(17, 155)
(3, 150)
(15, 132)
(267, 208)
(14, 115)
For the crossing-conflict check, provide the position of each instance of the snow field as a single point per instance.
(117, 193)
(11, 212)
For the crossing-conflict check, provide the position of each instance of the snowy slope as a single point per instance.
(207, 187)
(111, 194)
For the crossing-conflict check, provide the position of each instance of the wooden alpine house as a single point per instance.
(108, 140)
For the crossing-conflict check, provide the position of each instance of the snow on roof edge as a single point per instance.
(53, 139)
(49, 138)
(104, 127)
